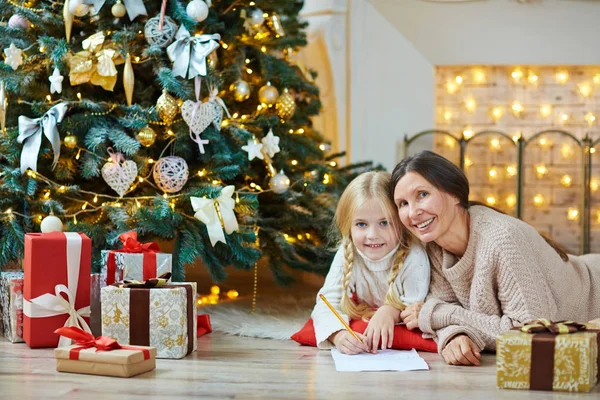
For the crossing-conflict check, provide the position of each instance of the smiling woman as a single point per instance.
(490, 272)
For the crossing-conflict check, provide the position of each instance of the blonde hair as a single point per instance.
(373, 185)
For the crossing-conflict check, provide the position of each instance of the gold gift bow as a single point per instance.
(94, 64)
(544, 325)
(157, 282)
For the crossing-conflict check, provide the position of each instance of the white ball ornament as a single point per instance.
(170, 174)
(78, 8)
(279, 183)
(19, 22)
(118, 10)
(256, 16)
(51, 224)
(197, 10)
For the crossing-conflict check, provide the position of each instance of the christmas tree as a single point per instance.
(181, 120)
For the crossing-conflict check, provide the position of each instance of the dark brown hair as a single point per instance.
(448, 178)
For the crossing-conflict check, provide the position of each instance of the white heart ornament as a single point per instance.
(120, 178)
(217, 115)
(204, 116)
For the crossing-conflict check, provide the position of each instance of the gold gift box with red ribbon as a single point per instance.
(545, 355)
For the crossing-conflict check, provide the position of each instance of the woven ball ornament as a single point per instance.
(171, 174)
(161, 37)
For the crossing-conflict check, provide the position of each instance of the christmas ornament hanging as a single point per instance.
(167, 107)
(56, 80)
(118, 10)
(170, 174)
(119, 173)
(274, 23)
(68, 18)
(268, 94)
(19, 22)
(279, 183)
(14, 56)
(128, 80)
(146, 136)
(256, 16)
(270, 144)
(160, 37)
(70, 141)
(51, 224)
(197, 10)
(241, 90)
(286, 106)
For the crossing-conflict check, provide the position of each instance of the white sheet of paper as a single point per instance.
(383, 360)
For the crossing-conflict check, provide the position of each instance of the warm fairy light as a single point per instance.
(252, 4)
(140, 179)
(572, 214)
(215, 182)
(590, 118)
(468, 133)
(333, 164)
(592, 150)
(307, 236)
(544, 142)
(201, 173)
(479, 76)
(49, 98)
(300, 237)
(291, 131)
(545, 110)
(493, 173)
(596, 79)
(562, 76)
(300, 131)
(31, 173)
(248, 70)
(326, 179)
(78, 154)
(137, 59)
(244, 116)
(172, 205)
(497, 113)
(517, 108)
(541, 170)
(215, 289)
(47, 194)
(490, 200)
(538, 200)
(567, 151)
(165, 196)
(225, 123)
(516, 136)
(235, 115)
(594, 185)
(79, 96)
(42, 49)
(95, 199)
(447, 115)
(247, 61)
(511, 200)
(468, 162)
(517, 75)
(566, 180)
(62, 189)
(511, 170)
(470, 104)
(259, 107)
(263, 49)
(232, 294)
(137, 203)
(532, 78)
(564, 117)
(449, 142)
(150, 161)
(495, 144)
(458, 80)
(585, 89)
(74, 219)
(84, 206)
(322, 147)
(170, 132)
(225, 46)
(9, 211)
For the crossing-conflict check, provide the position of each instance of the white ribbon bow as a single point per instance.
(207, 211)
(30, 133)
(189, 53)
(133, 7)
(49, 305)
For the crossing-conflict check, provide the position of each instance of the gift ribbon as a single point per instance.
(193, 135)
(213, 97)
(133, 7)
(49, 305)
(30, 134)
(139, 309)
(203, 323)
(189, 53)
(211, 211)
(85, 340)
(543, 345)
(132, 245)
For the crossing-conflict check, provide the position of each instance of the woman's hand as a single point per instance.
(410, 315)
(381, 326)
(347, 344)
(461, 351)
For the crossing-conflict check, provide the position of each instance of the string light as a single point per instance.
(333, 164)
(517, 108)
(594, 185)
(511, 200)
(585, 89)
(538, 200)
(572, 214)
(451, 87)
(491, 200)
(566, 180)
(596, 79)
(545, 110)
(497, 113)
(532, 78)
(493, 173)
(449, 142)
(564, 117)
(566, 150)
(517, 75)
(95, 199)
(544, 142)
(541, 170)
(511, 170)
(590, 118)
(326, 179)
(516, 136)
(79, 96)
(470, 104)
(468, 162)
(495, 144)
(562, 76)
(479, 76)
(468, 132)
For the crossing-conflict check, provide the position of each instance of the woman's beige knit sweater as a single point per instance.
(508, 275)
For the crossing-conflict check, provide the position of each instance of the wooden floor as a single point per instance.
(231, 367)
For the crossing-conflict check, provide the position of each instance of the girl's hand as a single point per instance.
(381, 326)
(347, 344)
(461, 351)
(410, 315)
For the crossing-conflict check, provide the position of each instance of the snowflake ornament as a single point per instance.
(14, 56)
(56, 80)
(254, 149)
(271, 144)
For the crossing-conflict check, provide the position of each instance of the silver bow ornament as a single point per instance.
(133, 7)
(189, 53)
(30, 134)
(217, 214)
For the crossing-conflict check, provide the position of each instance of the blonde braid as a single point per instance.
(354, 311)
(391, 297)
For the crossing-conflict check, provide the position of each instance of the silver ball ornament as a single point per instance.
(197, 10)
(256, 16)
(279, 183)
(51, 224)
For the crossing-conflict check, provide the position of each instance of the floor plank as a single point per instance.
(232, 367)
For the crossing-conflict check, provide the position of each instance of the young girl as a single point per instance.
(375, 274)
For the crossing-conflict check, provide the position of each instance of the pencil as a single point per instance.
(340, 318)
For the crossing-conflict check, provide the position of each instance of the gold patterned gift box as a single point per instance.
(162, 316)
(548, 356)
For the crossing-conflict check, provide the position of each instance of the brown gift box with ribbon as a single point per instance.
(542, 355)
(152, 313)
(102, 356)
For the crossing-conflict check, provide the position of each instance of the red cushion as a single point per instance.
(403, 338)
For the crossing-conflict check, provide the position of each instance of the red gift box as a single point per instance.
(57, 286)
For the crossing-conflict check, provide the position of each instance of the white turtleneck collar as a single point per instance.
(378, 265)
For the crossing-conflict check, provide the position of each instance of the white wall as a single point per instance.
(391, 87)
